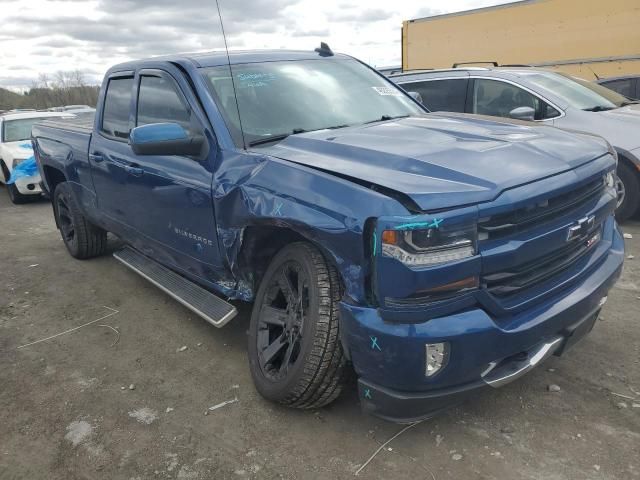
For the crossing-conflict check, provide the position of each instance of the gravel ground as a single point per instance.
(83, 406)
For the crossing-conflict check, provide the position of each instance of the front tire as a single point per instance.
(14, 195)
(82, 239)
(295, 354)
(631, 185)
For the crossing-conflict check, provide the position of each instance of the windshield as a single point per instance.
(276, 99)
(17, 130)
(578, 93)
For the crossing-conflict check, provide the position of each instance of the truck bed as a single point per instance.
(63, 145)
(79, 124)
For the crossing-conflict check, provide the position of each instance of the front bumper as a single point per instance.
(29, 185)
(389, 357)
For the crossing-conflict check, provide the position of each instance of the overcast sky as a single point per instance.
(90, 35)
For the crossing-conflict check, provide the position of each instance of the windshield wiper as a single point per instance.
(598, 108)
(384, 118)
(276, 138)
(282, 136)
(631, 102)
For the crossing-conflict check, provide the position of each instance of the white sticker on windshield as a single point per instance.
(388, 91)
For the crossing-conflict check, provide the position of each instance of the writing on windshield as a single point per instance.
(277, 99)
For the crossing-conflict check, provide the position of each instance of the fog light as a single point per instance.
(436, 357)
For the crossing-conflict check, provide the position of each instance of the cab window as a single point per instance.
(160, 102)
(496, 98)
(115, 118)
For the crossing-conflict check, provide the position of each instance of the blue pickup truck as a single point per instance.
(432, 254)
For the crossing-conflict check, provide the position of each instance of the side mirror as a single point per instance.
(164, 139)
(416, 96)
(523, 113)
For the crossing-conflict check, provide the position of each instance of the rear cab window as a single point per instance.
(117, 104)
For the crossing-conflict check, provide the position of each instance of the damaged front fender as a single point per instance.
(262, 203)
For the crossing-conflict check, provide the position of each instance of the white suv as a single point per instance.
(15, 148)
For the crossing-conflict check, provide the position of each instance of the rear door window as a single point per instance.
(441, 95)
(117, 103)
(498, 99)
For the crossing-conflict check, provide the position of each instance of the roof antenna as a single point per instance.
(233, 84)
(323, 50)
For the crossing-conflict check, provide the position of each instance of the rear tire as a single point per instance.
(295, 353)
(82, 239)
(631, 182)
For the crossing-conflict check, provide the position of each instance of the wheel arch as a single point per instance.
(632, 164)
(52, 177)
(260, 243)
(4, 171)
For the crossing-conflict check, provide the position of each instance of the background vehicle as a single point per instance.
(628, 86)
(15, 147)
(436, 254)
(553, 98)
(587, 39)
(72, 108)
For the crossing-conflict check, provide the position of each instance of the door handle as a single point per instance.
(134, 171)
(96, 157)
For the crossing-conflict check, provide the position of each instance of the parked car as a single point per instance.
(15, 148)
(434, 254)
(627, 86)
(70, 108)
(548, 97)
(78, 112)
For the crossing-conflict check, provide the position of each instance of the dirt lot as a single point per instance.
(67, 410)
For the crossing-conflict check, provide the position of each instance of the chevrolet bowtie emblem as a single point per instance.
(581, 229)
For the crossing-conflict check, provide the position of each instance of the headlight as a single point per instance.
(18, 161)
(430, 246)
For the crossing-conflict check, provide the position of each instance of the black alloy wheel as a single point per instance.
(295, 353)
(282, 321)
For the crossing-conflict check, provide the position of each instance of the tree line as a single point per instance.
(62, 88)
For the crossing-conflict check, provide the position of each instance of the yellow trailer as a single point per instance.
(588, 38)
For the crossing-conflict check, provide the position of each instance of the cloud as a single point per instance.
(44, 36)
(356, 15)
(321, 32)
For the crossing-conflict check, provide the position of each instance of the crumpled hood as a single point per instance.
(443, 160)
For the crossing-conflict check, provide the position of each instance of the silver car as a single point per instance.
(539, 95)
